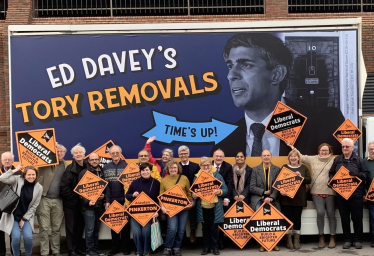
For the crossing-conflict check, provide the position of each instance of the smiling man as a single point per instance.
(259, 65)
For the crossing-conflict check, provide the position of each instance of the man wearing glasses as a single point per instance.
(115, 191)
(92, 210)
(353, 207)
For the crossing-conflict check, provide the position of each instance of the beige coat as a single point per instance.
(7, 220)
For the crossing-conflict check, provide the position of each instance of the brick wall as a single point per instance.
(21, 12)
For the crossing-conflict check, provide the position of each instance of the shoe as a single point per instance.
(126, 252)
(321, 241)
(215, 252)
(276, 248)
(358, 245)
(262, 249)
(177, 252)
(167, 252)
(332, 242)
(71, 254)
(113, 252)
(79, 252)
(100, 253)
(193, 237)
(205, 251)
(289, 241)
(296, 241)
(91, 253)
(347, 245)
(56, 254)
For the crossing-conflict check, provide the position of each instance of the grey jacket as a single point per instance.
(258, 185)
(46, 175)
(16, 181)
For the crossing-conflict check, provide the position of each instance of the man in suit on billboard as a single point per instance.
(259, 65)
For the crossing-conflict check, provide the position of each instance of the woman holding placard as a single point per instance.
(322, 195)
(293, 207)
(241, 178)
(210, 214)
(22, 217)
(177, 223)
(150, 186)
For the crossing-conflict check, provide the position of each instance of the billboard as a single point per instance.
(201, 89)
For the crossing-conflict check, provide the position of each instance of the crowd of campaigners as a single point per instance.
(48, 193)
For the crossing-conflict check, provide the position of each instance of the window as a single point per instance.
(322, 6)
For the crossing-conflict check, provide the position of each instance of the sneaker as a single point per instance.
(347, 245)
(167, 252)
(100, 253)
(177, 252)
(358, 245)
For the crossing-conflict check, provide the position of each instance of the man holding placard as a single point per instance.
(352, 208)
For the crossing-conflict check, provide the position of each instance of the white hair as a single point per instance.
(183, 148)
(60, 146)
(371, 142)
(120, 149)
(7, 152)
(348, 140)
(73, 149)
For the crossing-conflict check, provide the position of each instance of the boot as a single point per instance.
(296, 240)
(321, 242)
(289, 241)
(193, 236)
(332, 242)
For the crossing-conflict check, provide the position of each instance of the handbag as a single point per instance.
(156, 238)
(309, 196)
(8, 199)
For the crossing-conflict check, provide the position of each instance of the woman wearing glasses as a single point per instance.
(323, 196)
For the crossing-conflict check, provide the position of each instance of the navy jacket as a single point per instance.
(115, 189)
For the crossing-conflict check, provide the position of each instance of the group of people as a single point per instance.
(48, 193)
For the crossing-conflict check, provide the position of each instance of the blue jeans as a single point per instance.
(261, 201)
(141, 236)
(176, 228)
(16, 238)
(92, 220)
(370, 206)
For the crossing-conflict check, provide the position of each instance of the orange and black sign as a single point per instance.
(288, 182)
(286, 123)
(130, 173)
(90, 186)
(370, 194)
(115, 217)
(343, 183)
(142, 209)
(347, 130)
(268, 225)
(205, 185)
(234, 221)
(103, 152)
(174, 200)
(37, 147)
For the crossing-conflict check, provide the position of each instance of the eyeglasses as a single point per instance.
(324, 150)
(143, 155)
(183, 154)
(115, 153)
(206, 165)
(94, 159)
(346, 146)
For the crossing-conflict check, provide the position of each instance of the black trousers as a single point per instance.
(121, 241)
(74, 226)
(351, 209)
(293, 213)
(210, 229)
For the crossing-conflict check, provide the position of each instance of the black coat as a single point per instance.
(355, 163)
(193, 168)
(85, 202)
(321, 123)
(246, 191)
(69, 181)
(226, 172)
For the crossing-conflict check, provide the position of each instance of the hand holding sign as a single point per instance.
(343, 183)
(288, 182)
(206, 186)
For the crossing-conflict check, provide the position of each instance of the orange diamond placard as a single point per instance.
(370, 193)
(286, 123)
(90, 186)
(234, 221)
(174, 200)
(130, 173)
(347, 130)
(115, 217)
(205, 185)
(103, 152)
(343, 183)
(288, 182)
(142, 209)
(268, 225)
(37, 147)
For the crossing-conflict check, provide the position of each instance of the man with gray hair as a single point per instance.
(115, 191)
(351, 209)
(50, 211)
(74, 221)
(369, 163)
(189, 169)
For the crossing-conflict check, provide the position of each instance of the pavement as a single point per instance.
(309, 246)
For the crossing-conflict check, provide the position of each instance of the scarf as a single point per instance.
(239, 172)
